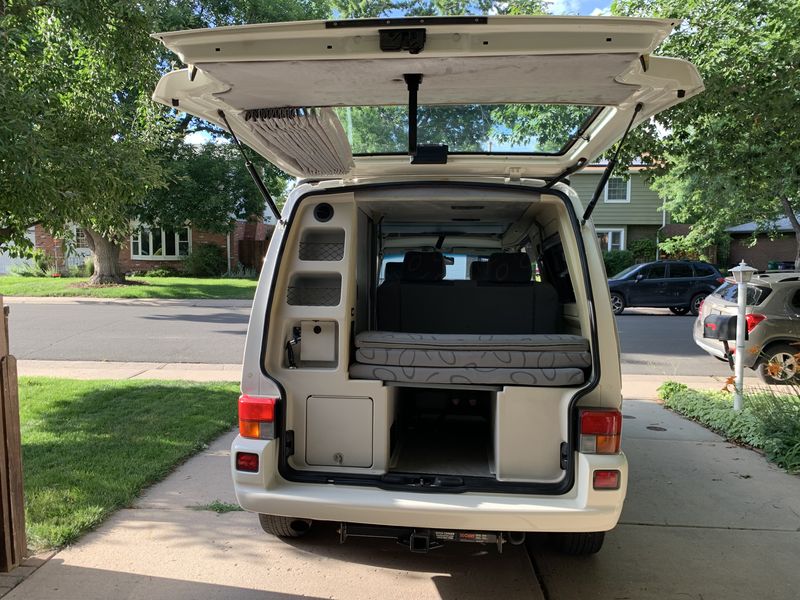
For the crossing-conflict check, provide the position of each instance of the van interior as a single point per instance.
(428, 335)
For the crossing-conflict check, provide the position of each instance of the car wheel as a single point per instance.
(694, 305)
(288, 527)
(578, 544)
(779, 365)
(617, 303)
(679, 310)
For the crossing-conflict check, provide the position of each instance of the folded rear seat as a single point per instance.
(499, 329)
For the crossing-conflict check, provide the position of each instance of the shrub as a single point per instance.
(769, 421)
(616, 261)
(241, 272)
(40, 263)
(207, 260)
(161, 272)
(643, 250)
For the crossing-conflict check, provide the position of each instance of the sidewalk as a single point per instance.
(703, 519)
(223, 303)
(85, 369)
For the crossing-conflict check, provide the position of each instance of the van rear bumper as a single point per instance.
(582, 509)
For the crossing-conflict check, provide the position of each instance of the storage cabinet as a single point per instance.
(339, 431)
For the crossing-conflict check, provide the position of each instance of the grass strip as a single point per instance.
(192, 288)
(90, 447)
(769, 421)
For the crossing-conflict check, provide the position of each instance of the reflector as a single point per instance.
(247, 461)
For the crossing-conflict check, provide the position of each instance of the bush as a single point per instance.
(38, 267)
(207, 260)
(769, 421)
(616, 261)
(161, 272)
(643, 250)
(242, 272)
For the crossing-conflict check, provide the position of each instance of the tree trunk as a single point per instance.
(792, 216)
(105, 255)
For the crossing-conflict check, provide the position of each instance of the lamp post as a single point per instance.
(742, 275)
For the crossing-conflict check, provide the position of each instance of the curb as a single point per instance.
(196, 302)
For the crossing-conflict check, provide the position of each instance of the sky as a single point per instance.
(580, 7)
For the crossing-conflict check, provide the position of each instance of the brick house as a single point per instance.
(153, 247)
(781, 247)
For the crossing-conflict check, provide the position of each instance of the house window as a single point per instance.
(618, 190)
(80, 238)
(160, 244)
(611, 239)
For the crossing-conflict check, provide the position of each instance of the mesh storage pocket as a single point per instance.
(314, 290)
(322, 244)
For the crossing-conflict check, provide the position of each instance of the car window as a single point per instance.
(704, 270)
(756, 294)
(625, 272)
(680, 270)
(795, 301)
(657, 271)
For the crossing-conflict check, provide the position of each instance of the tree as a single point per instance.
(729, 155)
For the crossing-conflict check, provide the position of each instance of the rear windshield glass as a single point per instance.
(468, 128)
(729, 292)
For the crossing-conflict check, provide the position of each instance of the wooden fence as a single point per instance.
(252, 253)
(13, 544)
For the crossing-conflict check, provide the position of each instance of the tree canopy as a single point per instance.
(729, 155)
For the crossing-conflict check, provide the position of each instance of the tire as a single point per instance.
(784, 357)
(695, 302)
(578, 544)
(617, 303)
(286, 527)
(679, 310)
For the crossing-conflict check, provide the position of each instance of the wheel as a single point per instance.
(694, 305)
(679, 310)
(288, 527)
(579, 544)
(779, 364)
(617, 303)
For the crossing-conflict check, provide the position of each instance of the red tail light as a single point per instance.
(600, 431)
(257, 417)
(606, 480)
(753, 319)
(720, 280)
(247, 461)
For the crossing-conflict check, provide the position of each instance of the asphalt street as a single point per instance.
(654, 342)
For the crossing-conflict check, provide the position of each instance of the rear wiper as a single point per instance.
(609, 168)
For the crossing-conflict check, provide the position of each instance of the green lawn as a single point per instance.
(90, 447)
(148, 287)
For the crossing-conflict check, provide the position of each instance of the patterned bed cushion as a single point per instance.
(417, 357)
(469, 375)
(455, 341)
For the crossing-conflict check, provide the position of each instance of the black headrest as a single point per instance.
(394, 271)
(478, 270)
(423, 266)
(504, 267)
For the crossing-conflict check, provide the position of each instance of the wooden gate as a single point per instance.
(13, 543)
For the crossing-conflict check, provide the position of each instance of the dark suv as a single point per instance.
(679, 285)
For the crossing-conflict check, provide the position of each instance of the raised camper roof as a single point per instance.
(302, 94)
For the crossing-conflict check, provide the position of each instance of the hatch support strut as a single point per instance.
(252, 170)
(609, 168)
(421, 154)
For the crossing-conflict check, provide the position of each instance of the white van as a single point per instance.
(431, 354)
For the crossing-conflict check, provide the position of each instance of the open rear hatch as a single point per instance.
(289, 90)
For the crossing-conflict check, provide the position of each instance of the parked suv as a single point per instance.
(773, 324)
(679, 285)
(380, 391)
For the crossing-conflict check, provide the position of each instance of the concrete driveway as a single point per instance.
(704, 519)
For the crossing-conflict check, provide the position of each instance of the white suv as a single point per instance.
(431, 354)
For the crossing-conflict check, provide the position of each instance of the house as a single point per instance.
(779, 245)
(154, 247)
(627, 210)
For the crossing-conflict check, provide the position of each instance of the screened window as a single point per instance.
(160, 244)
(611, 239)
(618, 190)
